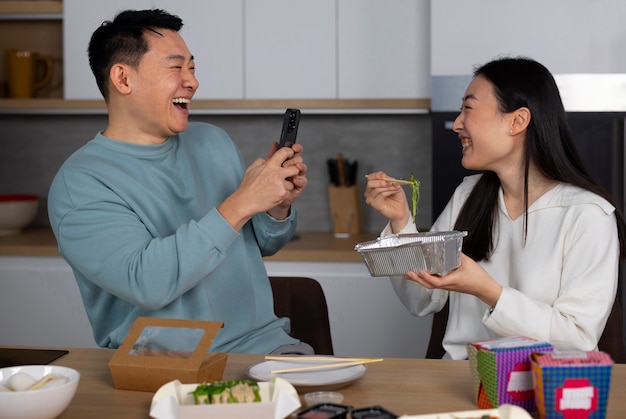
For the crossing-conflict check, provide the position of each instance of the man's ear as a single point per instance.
(119, 78)
(520, 120)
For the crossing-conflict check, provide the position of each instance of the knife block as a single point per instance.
(345, 211)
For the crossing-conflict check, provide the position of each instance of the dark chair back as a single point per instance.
(303, 301)
(611, 341)
(437, 330)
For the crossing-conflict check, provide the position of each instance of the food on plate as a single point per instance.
(23, 382)
(232, 391)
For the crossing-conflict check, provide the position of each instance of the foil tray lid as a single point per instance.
(398, 240)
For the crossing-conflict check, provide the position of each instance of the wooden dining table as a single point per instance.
(400, 385)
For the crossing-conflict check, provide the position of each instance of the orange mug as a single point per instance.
(27, 71)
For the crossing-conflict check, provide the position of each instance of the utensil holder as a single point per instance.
(345, 210)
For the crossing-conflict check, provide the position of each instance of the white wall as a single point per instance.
(567, 36)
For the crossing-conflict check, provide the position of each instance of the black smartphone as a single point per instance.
(291, 120)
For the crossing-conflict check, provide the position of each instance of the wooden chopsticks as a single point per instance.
(335, 363)
(394, 180)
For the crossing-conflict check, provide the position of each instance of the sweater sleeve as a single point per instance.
(272, 234)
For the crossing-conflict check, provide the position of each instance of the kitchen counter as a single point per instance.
(306, 246)
(30, 242)
(41, 296)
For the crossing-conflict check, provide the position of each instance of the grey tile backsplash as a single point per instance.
(32, 147)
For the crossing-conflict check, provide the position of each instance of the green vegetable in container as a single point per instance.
(232, 391)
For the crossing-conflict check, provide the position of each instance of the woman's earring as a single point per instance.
(510, 131)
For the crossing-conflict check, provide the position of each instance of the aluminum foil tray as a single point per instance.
(438, 252)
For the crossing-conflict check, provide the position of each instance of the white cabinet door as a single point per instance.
(290, 49)
(40, 304)
(80, 19)
(278, 49)
(212, 29)
(384, 49)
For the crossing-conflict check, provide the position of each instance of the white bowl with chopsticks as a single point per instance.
(36, 391)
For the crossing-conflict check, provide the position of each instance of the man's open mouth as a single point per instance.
(181, 102)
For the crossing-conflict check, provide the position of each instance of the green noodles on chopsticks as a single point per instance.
(415, 186)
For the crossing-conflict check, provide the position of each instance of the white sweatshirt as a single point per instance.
(559, 287)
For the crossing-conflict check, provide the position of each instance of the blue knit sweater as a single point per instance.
(139, 227)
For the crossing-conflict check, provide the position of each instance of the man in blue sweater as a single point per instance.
(158, 216)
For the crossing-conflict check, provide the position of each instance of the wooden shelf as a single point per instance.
(30, 7)
(20, 106)
(40, 104)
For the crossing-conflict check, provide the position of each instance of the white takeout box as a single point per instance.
(173, 400)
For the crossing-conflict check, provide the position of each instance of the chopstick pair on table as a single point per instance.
(394, 180)
(334, 362)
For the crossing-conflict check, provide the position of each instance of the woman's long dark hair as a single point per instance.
(522, 82)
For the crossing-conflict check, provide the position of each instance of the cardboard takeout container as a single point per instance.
(157, 351)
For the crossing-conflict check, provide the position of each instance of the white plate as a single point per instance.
(326, 379)
(505, 411)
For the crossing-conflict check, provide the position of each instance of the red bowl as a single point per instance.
(17, 211)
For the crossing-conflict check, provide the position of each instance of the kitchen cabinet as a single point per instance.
(383, 49)
(279, 53)
(212, 29)
(290, 49)
(80, 18)
(40, 305)
(329, 49)
(252, 57)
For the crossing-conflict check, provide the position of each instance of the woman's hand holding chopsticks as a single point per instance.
(385, 195)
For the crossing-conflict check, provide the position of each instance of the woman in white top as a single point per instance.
(544, 240)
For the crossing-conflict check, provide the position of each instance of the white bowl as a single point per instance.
(16, 212)
(43, 403)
